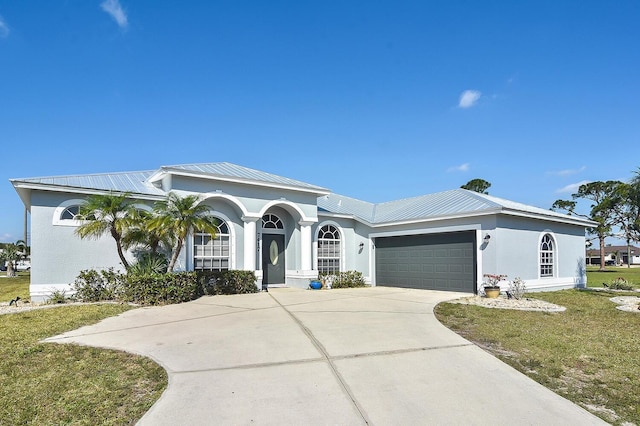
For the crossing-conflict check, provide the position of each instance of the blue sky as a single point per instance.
(377, 100)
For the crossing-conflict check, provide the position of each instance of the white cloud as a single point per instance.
(113, 8)
(461, 168)
(572, 188)
(469, 98)
(568, 172)
(4, 28)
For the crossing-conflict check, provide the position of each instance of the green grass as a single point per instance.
(595, 278)
(589, 354)
(47, 383)
(15, 286)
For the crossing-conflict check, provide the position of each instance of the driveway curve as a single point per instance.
(351, 357)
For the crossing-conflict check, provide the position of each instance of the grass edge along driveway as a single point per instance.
(589, 354)
(47, 383)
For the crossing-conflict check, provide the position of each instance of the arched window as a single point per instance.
(212, 254)
(328, 250)
(70, 213)
(271, 221)
(547, 246)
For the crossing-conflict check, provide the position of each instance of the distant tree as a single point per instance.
(180, 216)
(106, 214)
(10, 254)
(477, 185)
(605, 198)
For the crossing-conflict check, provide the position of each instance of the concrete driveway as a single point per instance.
(348, 357)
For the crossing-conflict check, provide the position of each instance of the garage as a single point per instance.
(430, 262)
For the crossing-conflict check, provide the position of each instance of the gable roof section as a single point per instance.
(442, 205)
(234, 173)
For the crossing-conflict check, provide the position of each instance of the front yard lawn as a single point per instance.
(595, 278)
(589, 354)
(47, 383)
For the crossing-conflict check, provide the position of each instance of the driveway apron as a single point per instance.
(350, 357)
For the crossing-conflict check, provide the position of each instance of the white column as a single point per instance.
(250, 243)
(305, 242)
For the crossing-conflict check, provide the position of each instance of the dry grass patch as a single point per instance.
(589, 354)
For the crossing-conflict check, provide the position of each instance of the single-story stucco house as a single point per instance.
(289, 231)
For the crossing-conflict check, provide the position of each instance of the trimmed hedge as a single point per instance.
(227, 282)
(157, 289)
(160, 289)
(96, 286)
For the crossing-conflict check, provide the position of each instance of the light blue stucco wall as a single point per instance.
(517, 252)
(57, 254)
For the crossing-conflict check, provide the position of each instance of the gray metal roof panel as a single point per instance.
(230, 170)
(456, 202)
(340, 204)
(134, 182)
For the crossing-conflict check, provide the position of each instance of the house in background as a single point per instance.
(288, 232)
(614, 255)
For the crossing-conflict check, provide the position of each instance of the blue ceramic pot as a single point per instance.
(315, 285)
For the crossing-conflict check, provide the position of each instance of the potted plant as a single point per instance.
(315, 284)
(491, 285)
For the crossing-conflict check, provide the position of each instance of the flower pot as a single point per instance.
(315, 285)
(492, 292)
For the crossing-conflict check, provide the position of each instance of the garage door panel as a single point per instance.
(438, 262)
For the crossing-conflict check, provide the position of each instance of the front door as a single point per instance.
(273, 267)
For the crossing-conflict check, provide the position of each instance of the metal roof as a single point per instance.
(134, 182)
(229, 170)
(447, 204)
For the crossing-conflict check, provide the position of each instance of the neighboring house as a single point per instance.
(288, 231)
(614, 255)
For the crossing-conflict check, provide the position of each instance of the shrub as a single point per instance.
(57, 296)
(620, 283)
(158, 289)
(151, 288)
(227, 282)
(347, 279)
(95, 286)
(149, 263)
(517, 288)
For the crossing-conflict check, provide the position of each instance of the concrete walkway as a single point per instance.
(349, 357)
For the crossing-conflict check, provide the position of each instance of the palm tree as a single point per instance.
(106, 213)
(10, 254)
(180, 216)
(141, 233)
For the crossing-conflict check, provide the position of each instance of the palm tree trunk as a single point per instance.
(174, 256)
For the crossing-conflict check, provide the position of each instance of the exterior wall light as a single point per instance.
(487, 238)
(361, 246)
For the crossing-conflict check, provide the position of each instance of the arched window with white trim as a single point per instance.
(271, 221)
(212, 254)
(329, 250)
(547, 250)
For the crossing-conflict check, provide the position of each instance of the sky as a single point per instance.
(376, 100)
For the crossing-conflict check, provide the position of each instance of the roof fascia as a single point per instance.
(568, 220)
(87, 191)
(211, 176)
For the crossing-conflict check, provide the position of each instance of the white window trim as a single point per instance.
(554, 258)
(232, 243)
(57, 213)
(342, 244)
